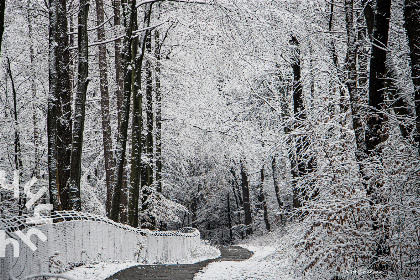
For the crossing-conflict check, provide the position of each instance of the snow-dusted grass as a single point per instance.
(272, 259)
(102, 270)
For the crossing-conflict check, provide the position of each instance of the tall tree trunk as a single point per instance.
(158, 114)
(59, 106)
(136, 163)
(276, 181)
(149, 114)
(352, 81)
(2, 9)
(246, 199)
(133, 198)
(54, 192)
(375, 131)
(106, 122)
(18, 153)
(35, 171)
(120, 151)
(118, 59)
(298, 110)
(412, 25)
(330, 29)
(145, 167)
(79, 108)
(229, 218)
(63, 119)
(262, 200)
(301, 164)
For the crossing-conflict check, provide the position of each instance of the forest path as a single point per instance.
(179, 271)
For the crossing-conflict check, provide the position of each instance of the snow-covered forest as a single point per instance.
(245, 119)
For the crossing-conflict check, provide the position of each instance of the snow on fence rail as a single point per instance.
(73, 238)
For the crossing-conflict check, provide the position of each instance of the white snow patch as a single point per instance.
(272, 260)
(98, 271)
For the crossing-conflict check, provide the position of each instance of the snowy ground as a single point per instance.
(103, 270)
(272, 260)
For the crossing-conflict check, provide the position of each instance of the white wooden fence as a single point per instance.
(76, 238)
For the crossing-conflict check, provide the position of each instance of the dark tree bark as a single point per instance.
(52, 108)
(118, 58)
(302, 163)
(262, 200)
(276, 181)
(330, 27)
(246, 200)
(59, 107)
(2, 9)
(158, 114)
(149, 114)
(36, 141)
(375, 132)
(412, 25)
(18, 150)
(352, 82)
(229, 218)
(133, 197)
(120, 151)
(106, 122)
(79, 108)
(236, 189)
(136, 163)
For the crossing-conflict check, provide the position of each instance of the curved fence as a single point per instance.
(68, 238)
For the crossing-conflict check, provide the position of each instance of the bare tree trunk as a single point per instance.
(120, 151)
(352, 81)
(229, 218)
(34, 97)
(149, 114)
(301, 164)
(79, 108)
(262, 200)
(158, 114)
(412, 25)
(18, 153)
(59, 106)
(52, 107)
(106, 122)
(136, 163)
(2, 9)
(246, 200)
(118, 67)
(376, 132)
(330, 27)
(63, 119)
(275, 170)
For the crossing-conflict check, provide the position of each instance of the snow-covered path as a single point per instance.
(268, 262)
